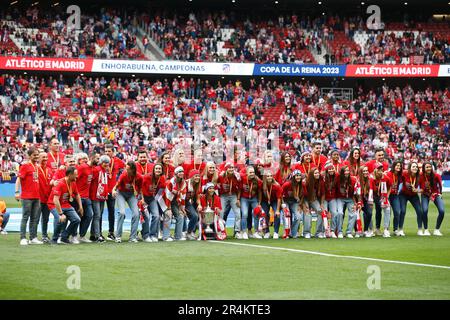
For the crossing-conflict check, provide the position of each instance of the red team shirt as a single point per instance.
(275, 192)
(44, 183)
(125, 184)
(114, 167)
(408, 182)
(246, 186)
(29, 181)
(55, 161)
(225, 182)
(427, 187)
(151, 185)
(98, 190)
(62, 190)
(84, 180)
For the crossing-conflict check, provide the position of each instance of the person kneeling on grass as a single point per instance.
(127, 189)
(210, 205)
(4, 217)
(62, 195)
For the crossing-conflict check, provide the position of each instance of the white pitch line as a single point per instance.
(334, 255)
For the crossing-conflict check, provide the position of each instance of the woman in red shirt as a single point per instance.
(315, 197)
(395, 177)
(345, 191)
(152, 186)
(354, 161)
(366, 195)
(250, 199)
(209, 200)
(305, 164)
(293, 196)
(192, 197)
(284, 171)
(272, 193)
(330, 202)
(410, 192)
(127, 190)
(431, 184)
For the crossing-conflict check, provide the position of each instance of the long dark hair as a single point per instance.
(350, 158)
(363, 181)
(313, 185)
(431, 173)
(342, 178)
(394, 164)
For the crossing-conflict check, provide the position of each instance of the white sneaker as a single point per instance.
(437, 233)
(182, 239)
(420, 232)
(267, 235)
(333, 235)
(118, 240)
(160, 235)
(256, 235)
(168, 239)
(349, 235)
(75, 240)
(275, 235)
(134, 240)
(238, 235)
(3, 232)
(191, 236)
(24, 242)
(378, 232)
(340, 235)
(386, 234)
(245, 236)
(402, 233)
(397, 233)
(357, 235)
(148, 239)
(184, 234)
(60, 241)
(320, 235)
(426, 233)
(154, 239)
(36, 241)
(85, 240)
(307, 236)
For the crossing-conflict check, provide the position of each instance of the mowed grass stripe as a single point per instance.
(332, 255)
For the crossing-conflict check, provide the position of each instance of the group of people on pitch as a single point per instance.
(75, 189)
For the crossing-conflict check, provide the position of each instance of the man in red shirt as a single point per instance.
(62, 196)
(317, 158)
(44, 191)
(55, 158)
(379, 158)
(381, 186)
(143, 166)
(84, 180)
(115, 168)
(28, 181)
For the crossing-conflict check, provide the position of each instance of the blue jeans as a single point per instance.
(332, 208)
(31, 210)
(351, 214)
(130, 198)
(179, 219)
(315, 205)
(45, 213)
(439, 205)
(276, 223)
(87, 216)
(150, 227)
(394, 200)
(193, 217)
(378, 210)
(248, 204)
(296, 216)
(66, 231)
(415, 201)
(96, 227)
(367, 210)
(5, 220)
(229, 202)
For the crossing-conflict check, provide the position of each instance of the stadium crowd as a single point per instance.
(197, 36)
(121, 122)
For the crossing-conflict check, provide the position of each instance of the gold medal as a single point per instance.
(70, 199)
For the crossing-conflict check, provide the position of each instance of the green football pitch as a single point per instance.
(410, 267)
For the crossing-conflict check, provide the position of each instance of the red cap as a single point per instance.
(193, 172)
